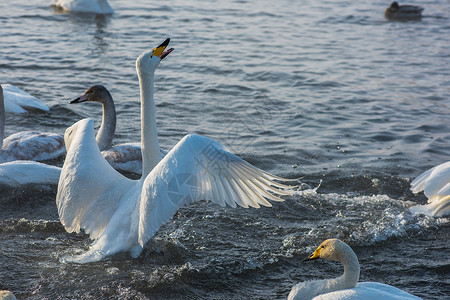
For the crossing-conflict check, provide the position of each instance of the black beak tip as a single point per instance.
(165, 43)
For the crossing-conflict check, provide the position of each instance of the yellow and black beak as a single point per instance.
(161, 51)
(315, 254)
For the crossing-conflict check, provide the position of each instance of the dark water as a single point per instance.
(329, 91)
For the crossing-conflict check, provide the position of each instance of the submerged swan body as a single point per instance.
(15, 172)
(85, 6)
(403, 12)
(124, 157)
(28, 145)
(121, 214)
(435, 183)
(18, 101)
(346, 286)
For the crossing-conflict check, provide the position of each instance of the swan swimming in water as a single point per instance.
(124, 157)
(435, 183)
(84, 6)
(28, 145)
(18, 172)
(18, 101)
(346, 286)
(121, 214)
(403, 12)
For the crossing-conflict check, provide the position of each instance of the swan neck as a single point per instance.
(350, 277)
(151, 154)
(107, 130)
(2, 118)
(351, 269)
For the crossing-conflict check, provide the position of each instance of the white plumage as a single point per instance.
(19, 101)
(123, 214)
(345, 287)
(435, 183)
(85, 6)
(28, 145)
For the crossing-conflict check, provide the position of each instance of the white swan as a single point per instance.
(84, 6)
(346, 286)
(28, 145)
(18, 101)
(435, 183)
(124, 157)
(122, 214)
(20, 172)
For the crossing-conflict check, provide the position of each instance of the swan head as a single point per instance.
(96, 93)
(331, 249)
(148, 61)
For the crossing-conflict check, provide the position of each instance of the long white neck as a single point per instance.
(351, 273)
(2, 118)
(107, 130)
(151, 154)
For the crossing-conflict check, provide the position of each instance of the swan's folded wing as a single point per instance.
(22, 172)
(32, 145)
(89, 189)
(198, 168)
(15, 97)
(432, 181)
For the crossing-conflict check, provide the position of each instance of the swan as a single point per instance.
(18, 101)
(403, 12)
(28, 145)
(346, 286)
(85, 6)
(121, 214)
(20, 172)
(436, 186)
(124, 157)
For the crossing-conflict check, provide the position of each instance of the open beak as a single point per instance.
(161, 51)
(80, 99)
(314, 255)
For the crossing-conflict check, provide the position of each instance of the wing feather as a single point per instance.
(198, 168)
(89, 189)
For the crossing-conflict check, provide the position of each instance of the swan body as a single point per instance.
(123, 157)
(85, 6)
(435, 183)
(20, 172)
(121, 214)
(28, 145)
(19, 101)
(346, 286)
(403, 12)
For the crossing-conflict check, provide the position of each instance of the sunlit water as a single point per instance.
(325, 90)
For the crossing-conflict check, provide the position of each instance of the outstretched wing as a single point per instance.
(433, 181)
(198, 168)
(89, 189)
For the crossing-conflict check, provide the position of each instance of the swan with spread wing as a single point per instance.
(121, 214)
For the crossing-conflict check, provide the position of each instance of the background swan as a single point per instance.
(435, 183)
(124, 157)
(20, 172)
(86, 6)
(346, 286)
(403, 12)
(18, 101)
(28, 145)
(123, 214)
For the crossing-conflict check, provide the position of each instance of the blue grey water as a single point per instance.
(329, 91)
